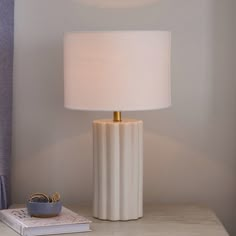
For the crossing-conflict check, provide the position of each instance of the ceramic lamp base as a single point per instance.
(118, 169)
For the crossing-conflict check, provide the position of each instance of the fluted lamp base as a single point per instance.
(118, 169)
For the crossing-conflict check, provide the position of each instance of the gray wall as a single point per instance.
(190, 151)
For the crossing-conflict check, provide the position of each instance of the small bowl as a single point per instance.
(44, 209)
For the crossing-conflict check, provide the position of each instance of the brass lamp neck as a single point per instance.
(117, 116)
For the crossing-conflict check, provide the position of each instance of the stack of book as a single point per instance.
(67, 222)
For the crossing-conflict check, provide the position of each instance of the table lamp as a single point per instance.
(117, 71)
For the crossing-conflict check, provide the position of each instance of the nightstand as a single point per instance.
(158, 220)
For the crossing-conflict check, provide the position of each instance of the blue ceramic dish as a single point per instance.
(44, 209)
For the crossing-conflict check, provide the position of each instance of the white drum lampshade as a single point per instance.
(117, 71)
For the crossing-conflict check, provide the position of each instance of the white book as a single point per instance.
(67, 222)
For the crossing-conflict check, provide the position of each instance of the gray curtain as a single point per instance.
(6, 67)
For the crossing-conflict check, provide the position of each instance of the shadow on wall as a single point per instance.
(222, 120)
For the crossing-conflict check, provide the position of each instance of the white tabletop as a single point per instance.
(158, 220)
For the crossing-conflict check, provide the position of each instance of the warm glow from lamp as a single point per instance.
(117, 70)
